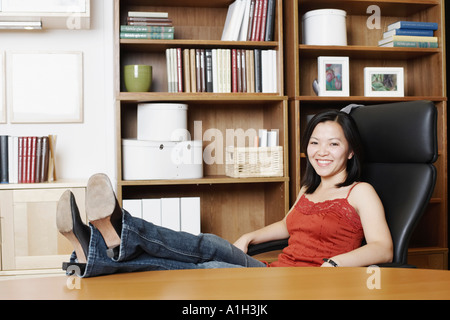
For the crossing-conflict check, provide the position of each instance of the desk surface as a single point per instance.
(236, 284)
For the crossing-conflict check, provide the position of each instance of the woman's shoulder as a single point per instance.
(362, 193)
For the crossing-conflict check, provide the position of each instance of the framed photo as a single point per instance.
(2, 89)
(383, 82)
(333, 76)
(45, 87)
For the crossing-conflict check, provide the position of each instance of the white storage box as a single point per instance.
(151, 160)
(162, 122)
(325, 27)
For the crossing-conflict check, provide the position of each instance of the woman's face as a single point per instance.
(328, 149)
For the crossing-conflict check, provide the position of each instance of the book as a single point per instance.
(412, 25)
(147, 29)
(233, 21)
(147, 14)
(411, 44)
(4, 166)
(147, 35)
(270, 20)
(407, 38)
(133, 21)
(408, 32)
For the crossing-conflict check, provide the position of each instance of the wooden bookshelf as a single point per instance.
(425, 79)
(229, 206)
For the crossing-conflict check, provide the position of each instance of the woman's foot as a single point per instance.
(70, 225)
(104, 212)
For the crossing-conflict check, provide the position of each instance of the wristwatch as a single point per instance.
(334, 264)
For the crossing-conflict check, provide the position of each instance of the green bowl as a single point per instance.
(138, 77)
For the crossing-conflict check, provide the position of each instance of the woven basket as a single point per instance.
(254, 162)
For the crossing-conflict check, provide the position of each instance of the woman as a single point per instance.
(326, 225)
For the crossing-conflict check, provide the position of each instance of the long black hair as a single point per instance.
(311, 179)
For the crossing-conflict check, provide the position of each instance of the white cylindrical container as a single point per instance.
(162, 122)
(149, 160)
(325, 27)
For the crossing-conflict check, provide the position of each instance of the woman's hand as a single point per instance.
(243, 242)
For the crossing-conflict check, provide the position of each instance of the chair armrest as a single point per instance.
(255, 249)
(395, 265)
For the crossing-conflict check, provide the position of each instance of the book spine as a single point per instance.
(258, 76)
(415, 44)
(4, 159)
(418, 25)
(148, 14)
(270, 21)
(179, 70)
(234, 70)
(147, 35)
(414, 38)
(262, 34)
(148, 29)
(209, 71)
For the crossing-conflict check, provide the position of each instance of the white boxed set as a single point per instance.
(162, 122)
(326, 27)
(153, 160)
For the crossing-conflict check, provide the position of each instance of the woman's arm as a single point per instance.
(274, 231)
(379, 248)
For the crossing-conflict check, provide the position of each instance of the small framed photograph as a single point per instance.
(383, 82)
(333, 76)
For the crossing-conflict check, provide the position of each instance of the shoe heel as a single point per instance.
(103, 210)
(64, 223)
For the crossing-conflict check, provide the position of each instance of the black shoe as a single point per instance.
(104, 212)
(71, 226)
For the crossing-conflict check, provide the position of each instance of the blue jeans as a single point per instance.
(145, 246)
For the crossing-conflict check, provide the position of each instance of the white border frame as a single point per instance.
(369, 71)
(321, 66)
(45, 87)
(2, 88)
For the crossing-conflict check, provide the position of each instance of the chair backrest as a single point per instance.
(400, 145)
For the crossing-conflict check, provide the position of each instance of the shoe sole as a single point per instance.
(64, 224)
(100, 204)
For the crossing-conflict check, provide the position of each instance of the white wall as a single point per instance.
(88, 147)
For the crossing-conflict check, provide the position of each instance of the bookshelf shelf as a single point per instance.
(248, 203)
(160, 45)
(366, 52)
(425, 79)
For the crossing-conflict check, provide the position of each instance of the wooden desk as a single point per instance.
(236, 284)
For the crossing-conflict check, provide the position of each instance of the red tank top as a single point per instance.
(320, 230)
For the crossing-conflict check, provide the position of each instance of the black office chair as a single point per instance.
(400, 145)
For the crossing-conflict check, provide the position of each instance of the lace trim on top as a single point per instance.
(340, 205)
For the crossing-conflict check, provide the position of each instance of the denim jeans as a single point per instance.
(145, 246)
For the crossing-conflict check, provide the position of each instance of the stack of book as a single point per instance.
(221, 70)
(147, 25)
(250, 20)
(27, 159)
(410, 34)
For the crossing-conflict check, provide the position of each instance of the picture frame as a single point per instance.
(2, 88)
(383, 82)
(333, 76)
(45, 87)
